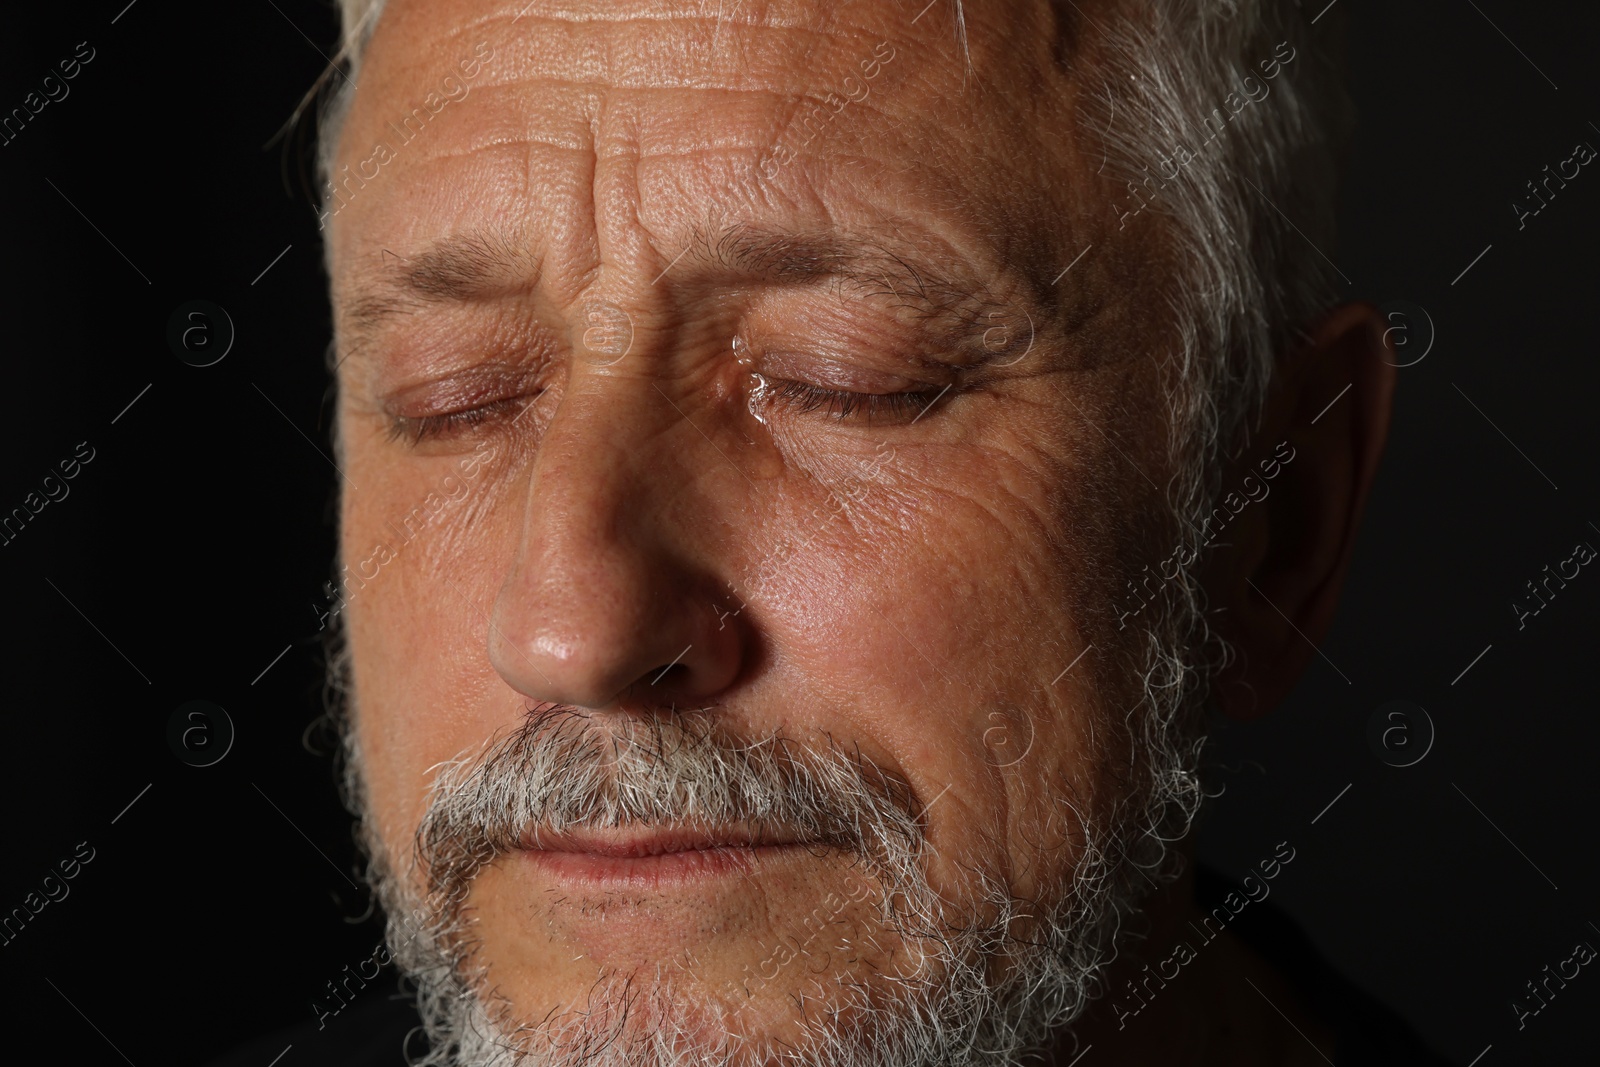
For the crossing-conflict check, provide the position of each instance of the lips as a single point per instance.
(636, 842)
(658, 858)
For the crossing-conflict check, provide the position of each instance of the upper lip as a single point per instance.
(637, 841)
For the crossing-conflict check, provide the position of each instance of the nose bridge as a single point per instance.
(584, 484)
(577, 585)
(586, 507)
(606, 457)
(605, 594)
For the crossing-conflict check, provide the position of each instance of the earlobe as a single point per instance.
(1330, 403)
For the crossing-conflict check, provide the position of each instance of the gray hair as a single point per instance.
(1248, 216)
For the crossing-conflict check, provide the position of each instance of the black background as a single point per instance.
(192, 548)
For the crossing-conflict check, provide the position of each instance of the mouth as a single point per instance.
(658, 858)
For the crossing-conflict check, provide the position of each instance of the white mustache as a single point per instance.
(566, 769)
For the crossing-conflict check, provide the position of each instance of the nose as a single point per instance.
(608, 599)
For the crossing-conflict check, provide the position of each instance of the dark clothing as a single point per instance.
(373, 1033)
(1369, 1033)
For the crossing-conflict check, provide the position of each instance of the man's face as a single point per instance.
(715, 369)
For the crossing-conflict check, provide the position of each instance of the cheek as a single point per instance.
(424, 689)
(947, 589)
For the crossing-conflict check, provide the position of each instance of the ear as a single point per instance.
(1287, 552)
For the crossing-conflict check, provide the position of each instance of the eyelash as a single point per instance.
(842, 404)
(429, 427)
(839, 404)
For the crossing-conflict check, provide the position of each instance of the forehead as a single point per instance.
(560, 122)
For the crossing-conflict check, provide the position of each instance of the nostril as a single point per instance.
(662, 672)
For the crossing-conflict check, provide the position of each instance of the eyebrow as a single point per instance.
(945, 295)
(927, 288)
(459, 268)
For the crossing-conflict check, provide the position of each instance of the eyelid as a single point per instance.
(849, 389)
(443, 426)
(830, 372)
(844, 404)
(448, 406)
(460, 391)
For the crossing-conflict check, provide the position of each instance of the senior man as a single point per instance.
(810, 468)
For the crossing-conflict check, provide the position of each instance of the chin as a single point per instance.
(556, 979)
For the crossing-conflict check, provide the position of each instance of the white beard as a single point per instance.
(946, 1009)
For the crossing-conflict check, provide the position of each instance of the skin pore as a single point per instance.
(849, 460)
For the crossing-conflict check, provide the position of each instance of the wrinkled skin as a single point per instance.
(677, 527)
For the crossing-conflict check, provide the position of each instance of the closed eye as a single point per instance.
(844, 404)
(450, 424)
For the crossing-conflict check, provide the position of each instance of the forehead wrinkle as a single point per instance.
(647, 49)
(820, 18)
(897, 280)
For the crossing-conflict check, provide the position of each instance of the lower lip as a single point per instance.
(668, 870)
